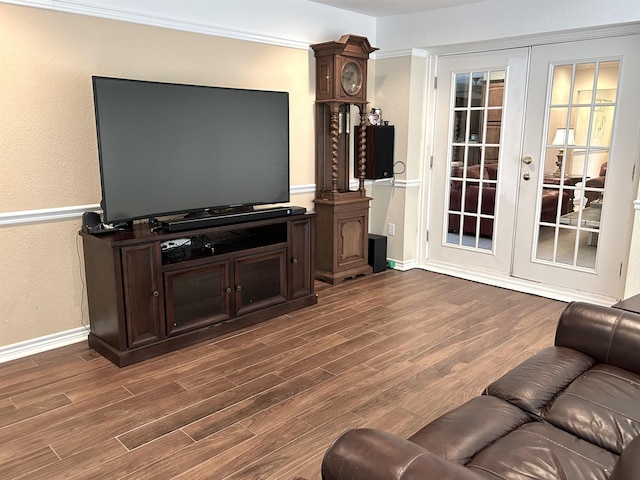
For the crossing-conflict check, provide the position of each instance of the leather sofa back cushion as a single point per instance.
(446, 438)
(534, 383)
(602, 406)
(620, 327)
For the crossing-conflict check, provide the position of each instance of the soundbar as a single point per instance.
(180, 224)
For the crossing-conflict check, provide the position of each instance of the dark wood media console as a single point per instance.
(151, 293)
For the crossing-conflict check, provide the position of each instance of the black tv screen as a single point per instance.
(171, 148)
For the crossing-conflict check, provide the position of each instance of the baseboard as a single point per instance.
(518, 284)
(42, 344)
(402, 265)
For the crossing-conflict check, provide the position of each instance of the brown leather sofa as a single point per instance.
(572, 412)
(596, 182)
(472, 196)
(548, 211)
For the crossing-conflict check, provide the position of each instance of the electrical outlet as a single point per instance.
(392, 229)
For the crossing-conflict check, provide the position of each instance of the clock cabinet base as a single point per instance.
(342, 237)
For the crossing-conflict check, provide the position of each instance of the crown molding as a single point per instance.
(587, 33)
(82, 8)
(409, 52)
(536, 39)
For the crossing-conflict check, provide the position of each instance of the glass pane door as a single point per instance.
(260, 280)
(580, 118)
(474, 154)
(577, 182)
(197, 297)
(479, 108)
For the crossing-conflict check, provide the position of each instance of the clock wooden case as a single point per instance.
(340, 78)
(342, 214)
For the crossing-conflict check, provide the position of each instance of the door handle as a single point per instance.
(527, 160)
(526, 177)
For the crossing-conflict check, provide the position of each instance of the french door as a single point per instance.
(548, 199)
(477, 141)
(581, 137)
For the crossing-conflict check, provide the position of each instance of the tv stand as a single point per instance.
(145, 300)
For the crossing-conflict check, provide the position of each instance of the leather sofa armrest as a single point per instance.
(606, 334)
(370, 454)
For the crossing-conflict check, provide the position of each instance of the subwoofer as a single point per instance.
(378, 252)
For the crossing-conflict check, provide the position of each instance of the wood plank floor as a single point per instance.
(389, 351)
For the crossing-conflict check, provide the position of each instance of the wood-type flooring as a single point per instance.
(391, 351)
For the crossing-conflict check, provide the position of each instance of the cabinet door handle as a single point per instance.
(156, 293)
(238, 288)
(294, 261)
(228, 289)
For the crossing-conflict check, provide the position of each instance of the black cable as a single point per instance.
(82, 291)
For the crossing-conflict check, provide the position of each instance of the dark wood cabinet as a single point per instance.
(260, 281)
(146, 299)
(141, 279)
(300, 265)
(197, 296)
(342, 239)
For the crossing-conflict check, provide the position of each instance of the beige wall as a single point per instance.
(401, 92)
(48, 152)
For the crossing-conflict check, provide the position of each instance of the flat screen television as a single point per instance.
(168, 148)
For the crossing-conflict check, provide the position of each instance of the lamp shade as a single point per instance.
(562, 138)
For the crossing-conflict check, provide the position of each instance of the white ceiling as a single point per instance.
(383, 8)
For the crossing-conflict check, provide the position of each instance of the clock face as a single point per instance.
(351, 78)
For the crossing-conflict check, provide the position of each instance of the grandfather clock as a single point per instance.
(342, 215)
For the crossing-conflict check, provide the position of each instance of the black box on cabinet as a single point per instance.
(379, 157)
(378, 252)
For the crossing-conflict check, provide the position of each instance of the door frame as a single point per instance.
(422, 238)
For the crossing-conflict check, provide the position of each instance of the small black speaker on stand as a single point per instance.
(91, 222)
(378, 252)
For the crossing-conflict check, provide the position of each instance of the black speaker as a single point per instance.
(91, 222)
(378, 252)
(379, 157)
